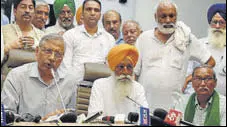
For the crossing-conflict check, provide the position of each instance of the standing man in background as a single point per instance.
(111, 21)
(64, 11)
(79, 17)
(164, 55)
(131, 31)
(22, 33)
(216, 44)
(87, 43)
(42, 10)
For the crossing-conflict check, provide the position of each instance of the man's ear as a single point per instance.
(14, 12)
(215, 85)
(155, 17)
(36, 52)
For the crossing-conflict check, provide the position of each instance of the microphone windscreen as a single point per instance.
(161, 113)
(37, 119)
(133, 117)
(156, 121)
(69, 117)
(9, 117)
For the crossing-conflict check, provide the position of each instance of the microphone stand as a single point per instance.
(53, 74)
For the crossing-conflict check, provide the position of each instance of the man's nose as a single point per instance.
(111, 25)
(125, 71)
(217, 25)
(203, 83)
(52, 57)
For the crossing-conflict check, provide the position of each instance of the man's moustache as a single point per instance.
(26, 14)
(217, 30)
(67, 19)
(168, 26)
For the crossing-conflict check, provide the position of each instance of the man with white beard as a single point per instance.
(64, 11)
(164, 53)
(109, 95)
(216, 44)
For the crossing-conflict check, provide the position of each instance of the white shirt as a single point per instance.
(82, 47)
(54, 29)
(162, 66)
(24, 91)
(102, 98)
(200, 113)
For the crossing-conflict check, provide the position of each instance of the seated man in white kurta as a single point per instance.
(109, 95)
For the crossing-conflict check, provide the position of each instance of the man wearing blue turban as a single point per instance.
(64, 11)
(216, 42)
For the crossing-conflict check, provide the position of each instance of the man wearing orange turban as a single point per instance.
(110, 94)
(121, 52)
(79, 17)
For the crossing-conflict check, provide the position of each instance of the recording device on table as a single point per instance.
(161, 117)
(133, 118)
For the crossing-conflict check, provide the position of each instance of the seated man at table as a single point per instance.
(205, 107)
(109, 95)
(31, 88)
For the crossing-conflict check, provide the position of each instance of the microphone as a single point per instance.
(134, 101)
(96, 115)
(67, 117)
(173, 117)
(108, 119)
(133, 117)
(27, 117)
(161, 113)
(156, 121)
(63, 104)
(9, 117)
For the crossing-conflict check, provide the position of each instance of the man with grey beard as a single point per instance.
(110, 95)
(64, 11)
(164, 55)
(216, 44)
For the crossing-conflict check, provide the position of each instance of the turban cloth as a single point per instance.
(216, 8)
(78, 13)
(59, 4)
(120, 52)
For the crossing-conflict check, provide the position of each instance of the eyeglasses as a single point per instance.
(220, 22)
(49, 52)
(206, 80)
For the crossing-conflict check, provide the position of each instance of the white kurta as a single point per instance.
(54, 29)
(102, 98)
(81, 47)
(162, 66)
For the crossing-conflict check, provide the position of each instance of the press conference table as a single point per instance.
(65, 124)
